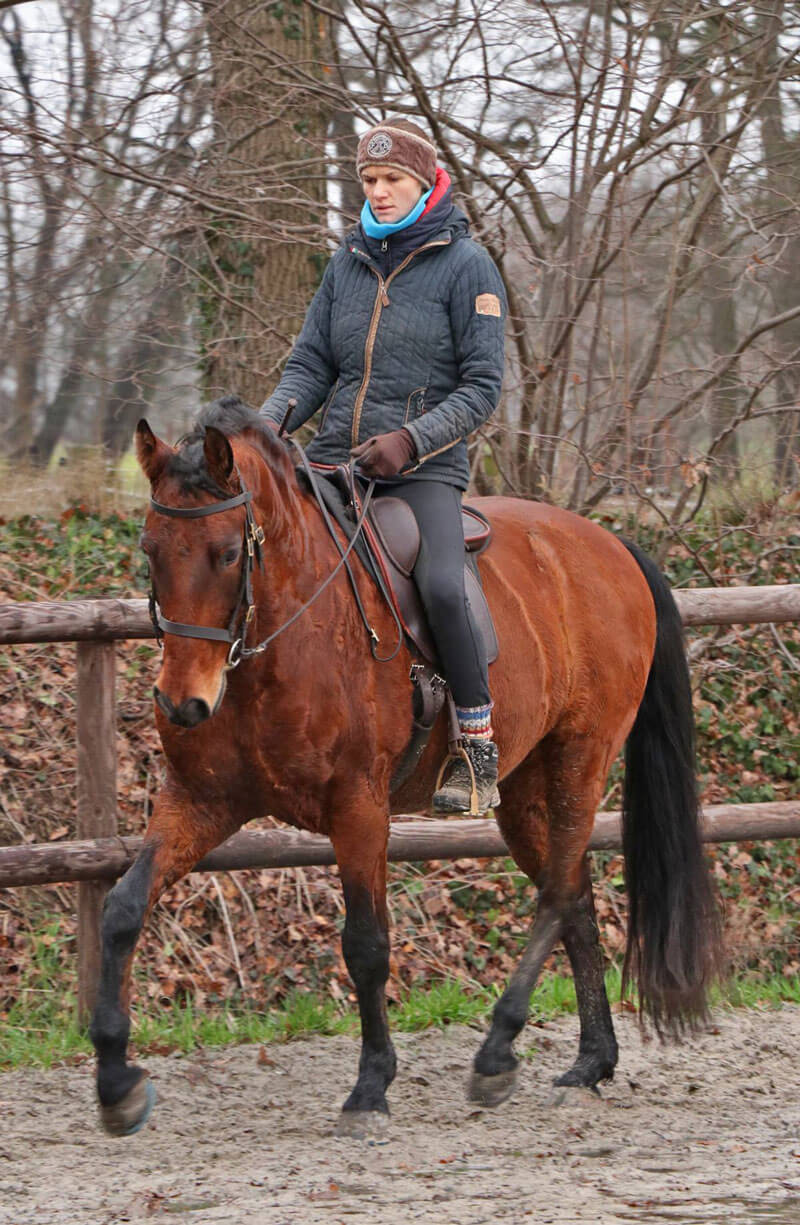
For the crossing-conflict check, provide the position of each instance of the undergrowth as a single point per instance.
(41, 1028)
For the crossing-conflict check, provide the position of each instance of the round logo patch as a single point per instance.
(380, 145)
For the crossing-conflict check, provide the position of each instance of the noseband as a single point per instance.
(244, 607)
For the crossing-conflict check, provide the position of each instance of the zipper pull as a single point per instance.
(385, 245)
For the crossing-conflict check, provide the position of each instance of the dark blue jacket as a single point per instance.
(406, 333)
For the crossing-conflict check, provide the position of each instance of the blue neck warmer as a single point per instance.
(382, 229)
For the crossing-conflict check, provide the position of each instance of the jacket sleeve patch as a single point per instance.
(488, 304)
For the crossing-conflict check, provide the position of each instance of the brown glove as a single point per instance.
(385, 454)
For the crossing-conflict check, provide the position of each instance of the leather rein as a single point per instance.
(253, 542)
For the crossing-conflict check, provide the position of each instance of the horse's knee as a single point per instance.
(125, 906)
(123, 915)
(366, 951)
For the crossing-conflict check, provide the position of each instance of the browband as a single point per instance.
(198, 512)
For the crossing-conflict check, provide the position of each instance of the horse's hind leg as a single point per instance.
(546, 818)
(523, 820)
(175, 840)
(597, 1052)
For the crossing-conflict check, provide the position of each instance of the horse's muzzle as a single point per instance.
(190, 713)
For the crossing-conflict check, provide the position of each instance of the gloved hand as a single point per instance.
(385, 454)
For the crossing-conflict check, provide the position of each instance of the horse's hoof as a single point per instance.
(362, 1124)
(129, 1115)
(573, 1095)
(490, 1091)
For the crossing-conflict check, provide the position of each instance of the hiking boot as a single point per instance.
(455, 793)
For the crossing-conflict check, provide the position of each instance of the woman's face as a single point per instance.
(391, 193)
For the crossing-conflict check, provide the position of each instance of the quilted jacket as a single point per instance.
(408, 332)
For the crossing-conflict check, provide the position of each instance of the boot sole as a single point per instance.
(445, 809)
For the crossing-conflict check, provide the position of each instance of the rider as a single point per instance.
(403, 346)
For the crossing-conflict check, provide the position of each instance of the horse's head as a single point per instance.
(202, 522)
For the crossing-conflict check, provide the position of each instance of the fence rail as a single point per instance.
(410, 840)
(90, 620)
(100, 854)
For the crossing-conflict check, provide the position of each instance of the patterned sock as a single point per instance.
(475, 722)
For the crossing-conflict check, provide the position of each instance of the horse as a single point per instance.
(310, 727)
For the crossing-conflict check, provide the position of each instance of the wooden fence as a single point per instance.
(101, 854)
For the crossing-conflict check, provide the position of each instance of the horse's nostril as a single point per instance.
(163, 702)
(191, 712)
(188, 714)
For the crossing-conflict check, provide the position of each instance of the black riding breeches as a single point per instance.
(439, 575)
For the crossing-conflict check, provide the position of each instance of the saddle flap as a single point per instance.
(398, 532)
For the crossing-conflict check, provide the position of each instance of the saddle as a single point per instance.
(391, 544)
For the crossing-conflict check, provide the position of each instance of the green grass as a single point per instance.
(750, 991)
(41, 1030)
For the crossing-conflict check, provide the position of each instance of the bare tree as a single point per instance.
(630, 166)
(92, 140)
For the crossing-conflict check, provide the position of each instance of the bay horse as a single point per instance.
(311, 729)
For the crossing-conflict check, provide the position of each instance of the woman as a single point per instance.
(403, 345)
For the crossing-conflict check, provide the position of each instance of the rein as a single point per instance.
(253, 540)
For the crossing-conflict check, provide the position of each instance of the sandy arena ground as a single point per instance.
(705, 1132)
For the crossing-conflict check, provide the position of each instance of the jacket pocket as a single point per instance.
(415, 404)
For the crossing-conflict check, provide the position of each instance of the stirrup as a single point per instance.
(457, 751)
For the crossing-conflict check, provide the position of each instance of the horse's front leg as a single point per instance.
(176, 838)
(361, 855)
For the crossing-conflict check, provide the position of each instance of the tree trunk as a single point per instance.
(726, 395)
(782, 161)
(268, 162)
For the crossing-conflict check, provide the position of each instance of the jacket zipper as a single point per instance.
(381, 300)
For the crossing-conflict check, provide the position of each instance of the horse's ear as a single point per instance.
(219, 455)
(151, 452)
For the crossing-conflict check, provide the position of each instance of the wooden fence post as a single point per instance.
(97, 797)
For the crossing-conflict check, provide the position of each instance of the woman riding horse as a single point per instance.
(403, 344)
(244, 572)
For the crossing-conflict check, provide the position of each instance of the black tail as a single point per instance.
(674, 940)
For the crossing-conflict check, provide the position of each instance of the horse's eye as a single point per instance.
(229, 556)
(146, 545)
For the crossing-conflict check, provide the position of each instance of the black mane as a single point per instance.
(231, 416)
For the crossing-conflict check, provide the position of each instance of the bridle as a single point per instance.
(244, 609)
